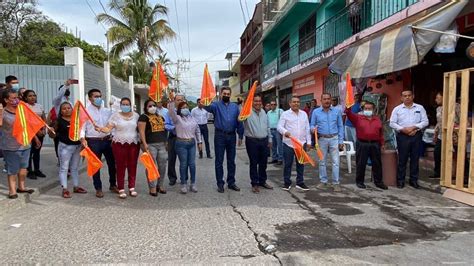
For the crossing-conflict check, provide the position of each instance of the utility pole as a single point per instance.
(182, 65)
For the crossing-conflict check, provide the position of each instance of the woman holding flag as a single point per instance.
(16, 153)
(153, 136)
(68, 151)
(125, 145)
(188, 133)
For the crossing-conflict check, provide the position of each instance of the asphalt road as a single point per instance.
(274, 227)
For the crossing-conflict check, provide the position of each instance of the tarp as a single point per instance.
(399, 48)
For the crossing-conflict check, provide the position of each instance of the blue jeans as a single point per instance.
(99, 148)
(277, 146)
(186, 151)
(69, 158)
(288, 157)
(16, 160)
(331, 146)
(225, 143)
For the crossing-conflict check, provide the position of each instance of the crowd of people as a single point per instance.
(176, 133)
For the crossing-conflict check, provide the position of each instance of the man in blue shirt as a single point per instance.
(226, 123)
(328, 120)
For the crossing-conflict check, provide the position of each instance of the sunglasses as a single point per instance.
(151, 106)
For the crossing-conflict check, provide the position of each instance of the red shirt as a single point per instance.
(367, 129)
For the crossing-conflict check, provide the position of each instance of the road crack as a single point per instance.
(260, 245)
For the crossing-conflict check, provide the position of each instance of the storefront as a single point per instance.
(310, 86)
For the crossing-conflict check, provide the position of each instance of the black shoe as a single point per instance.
(414, 184)
(172, 183)
(302, 187)
(38, 173)
(234, 187)
(279, 163)
(31, 175)
(381, 186)
(361, 185)
(400, 185)
(286, 187)
(220, 189)
(209, 157)
(274, 161)
(435, 176)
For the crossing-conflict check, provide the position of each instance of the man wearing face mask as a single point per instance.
(226, 124)
(99, 142)
(370, 143)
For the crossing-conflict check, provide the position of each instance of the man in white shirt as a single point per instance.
(201, 116)
(294, 122)
(408, 119)
(99, 142)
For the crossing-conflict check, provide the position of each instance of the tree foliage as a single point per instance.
(137, 23)
(31, 38)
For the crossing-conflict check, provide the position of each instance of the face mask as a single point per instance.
(15, 102)
(185, 111)
(226, 99)
(125, 108)
(16, 87)
(97, 101)
(368, 112)
(152, 110)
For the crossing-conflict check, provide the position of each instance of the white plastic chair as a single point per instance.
(348, 153)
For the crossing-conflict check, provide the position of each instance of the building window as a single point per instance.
(307, 34)
(285, 50)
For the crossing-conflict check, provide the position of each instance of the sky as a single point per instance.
(215, 27)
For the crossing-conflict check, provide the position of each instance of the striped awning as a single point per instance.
(397, 49)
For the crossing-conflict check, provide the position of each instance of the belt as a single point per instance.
(225, 132)
(259, 139)
(108, 137)
(183, 139)
(327, 136)
(368, 141)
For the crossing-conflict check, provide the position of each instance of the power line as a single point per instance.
(179, 31)
(169, 21)
(105, 11)
(247, 8)
(189, 39)
(243, 13)
(214, 55)
(95, 15)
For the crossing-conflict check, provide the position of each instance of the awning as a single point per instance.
(397, 49)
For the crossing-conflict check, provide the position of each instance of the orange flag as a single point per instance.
(316, 146)
(208, 92)
(247, 107)
(349, 91)
(93, 163)
(300, 153)
(26, 124)
(78, 118)
(158, 83)
(150, 166)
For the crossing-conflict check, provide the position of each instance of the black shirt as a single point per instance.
(155, 128)
(63, 132)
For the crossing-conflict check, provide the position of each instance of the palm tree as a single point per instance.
(137, 24)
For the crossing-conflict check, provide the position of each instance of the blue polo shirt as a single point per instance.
(226, 117)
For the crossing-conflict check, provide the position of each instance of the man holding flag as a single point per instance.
(99, 142)
(328, 121)
(258, 140)
(227, 124)
(294, 123)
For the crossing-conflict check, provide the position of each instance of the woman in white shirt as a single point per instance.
(125, 145)
(29, 96)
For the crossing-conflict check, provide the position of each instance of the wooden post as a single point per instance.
(443, 131)
(461, 155)
(448, 128)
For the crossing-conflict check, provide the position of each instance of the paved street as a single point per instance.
(356, 226)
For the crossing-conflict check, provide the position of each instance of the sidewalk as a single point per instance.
(41, 185)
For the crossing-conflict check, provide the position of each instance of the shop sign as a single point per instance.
(306, 63)
(304, 82)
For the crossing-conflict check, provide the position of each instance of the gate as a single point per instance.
(457, 161)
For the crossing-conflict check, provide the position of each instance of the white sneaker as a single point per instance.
(193, 188)
(184, 189)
